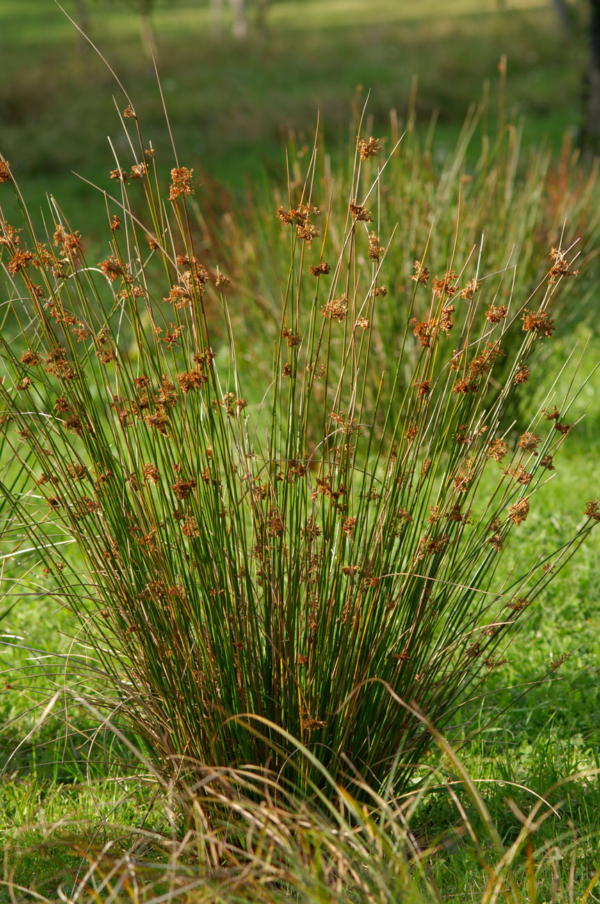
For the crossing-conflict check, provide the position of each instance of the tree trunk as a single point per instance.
(216, 17)
(592, 129)
(262, 8)
(562, 14)
(82, 17)
(239, 25)
(146, 29)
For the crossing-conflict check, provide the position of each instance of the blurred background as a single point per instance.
(240, 75)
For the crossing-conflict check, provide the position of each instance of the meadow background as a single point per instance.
(234, 105)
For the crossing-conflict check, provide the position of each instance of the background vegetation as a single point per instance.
(232, 102)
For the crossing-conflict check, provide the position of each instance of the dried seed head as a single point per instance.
(292, 340)
(349, 526)
(368, 148)
(518, 512)
(469, 290)
(336, 309)
(183, 488)
(560, 266)
(465, 386)
(496, 314)
(486, 359)
(360, 214)
(221, 281)
(20, 261)
(519, 604)
(321, 269)
(443, 286)
(423, 330)
(421, 274)
(592, 510)
(375, 249)
(275, 526)
(446, 322)
(496, 541)
(181, 182)
(520, 475)
(139, 170)
(564, 429)
(522, 375)
(551, 415)
(70, 241)
(189, 527)
(112, 267)
(497, 449)
(529, 442)
(538, 322)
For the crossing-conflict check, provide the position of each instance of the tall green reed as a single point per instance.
(318, 552)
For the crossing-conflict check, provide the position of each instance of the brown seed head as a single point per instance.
(275, 526)
(181, 182)
(349, 526)
(522, 375)
(551, 415)
(496, 314)
(443, 286)
(360, 214)
(421, 274)
(592, 509)
(375, 249)
(321, 269)
(336, 309)
(560, 266)
(368, 148)
(518, 512)
(139, 170)
(538, 322)
(564, 429)
(497, 449)
(529, 442)
(423, 330)
(469, 290)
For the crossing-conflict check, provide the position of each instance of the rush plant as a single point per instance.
(315, 556)
(483, 197)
